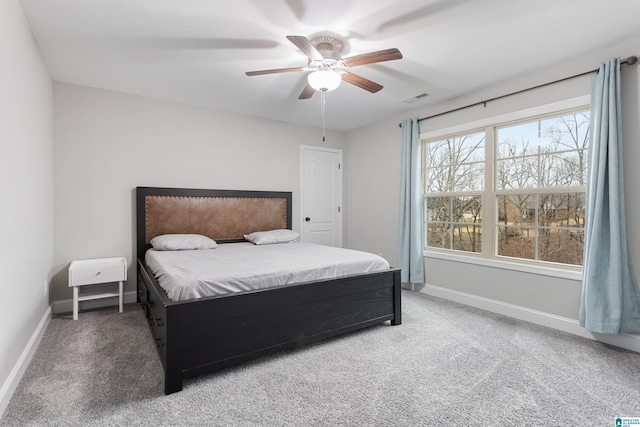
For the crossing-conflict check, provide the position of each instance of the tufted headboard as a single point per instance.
(223, 215)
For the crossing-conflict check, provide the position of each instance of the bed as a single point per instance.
(199, 335)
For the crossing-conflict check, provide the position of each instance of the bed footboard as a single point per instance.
(199, 336)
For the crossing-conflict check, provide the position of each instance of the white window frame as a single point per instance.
(487, 257)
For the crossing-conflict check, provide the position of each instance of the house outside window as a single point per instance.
(511, 190)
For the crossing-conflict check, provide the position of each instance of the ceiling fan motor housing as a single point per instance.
(329, 47)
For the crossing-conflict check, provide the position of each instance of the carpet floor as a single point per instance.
(447, 364)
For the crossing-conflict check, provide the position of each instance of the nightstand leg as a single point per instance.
(121, 292)
(75, 303)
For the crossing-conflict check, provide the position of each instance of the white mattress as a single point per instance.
(237, 267)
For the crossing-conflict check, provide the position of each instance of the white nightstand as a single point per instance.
(94, 271)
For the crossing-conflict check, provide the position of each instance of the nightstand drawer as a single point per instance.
(89, 272)
(93, 271)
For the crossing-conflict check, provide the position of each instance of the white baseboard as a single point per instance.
(9, 386)
(66, 305)
(565, 324)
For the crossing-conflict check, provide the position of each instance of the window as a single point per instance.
(512, 190)
(454, 183)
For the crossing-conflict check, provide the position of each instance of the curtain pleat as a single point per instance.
(411, 232)
(610, 301)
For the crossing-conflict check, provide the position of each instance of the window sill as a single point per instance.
(507, 265)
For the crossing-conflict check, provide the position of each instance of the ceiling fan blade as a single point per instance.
(373, 57)
(274, 71)
(306, 47)
(307, 92)
(361, 82)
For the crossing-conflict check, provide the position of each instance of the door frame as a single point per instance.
(337, 151)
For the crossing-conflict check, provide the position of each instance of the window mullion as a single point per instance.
(489, 228)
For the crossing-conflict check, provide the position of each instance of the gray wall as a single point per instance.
(372, 176)
(107, 143)
(26, 172)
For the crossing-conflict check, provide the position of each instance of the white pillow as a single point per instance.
(272, 236)
(176, 242)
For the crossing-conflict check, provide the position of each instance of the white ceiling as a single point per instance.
(196, 51)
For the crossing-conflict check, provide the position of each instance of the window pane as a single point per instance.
(561, 210)
(455, 164)
(516, 172)
(564, 246)
(517, 209)
(466, 209)
(516, 242)
(545, 227)
(438, 179)
(438, 209)
(544, 153)
(467, 237)
(469, 177)
(454, 222)
(438, 235)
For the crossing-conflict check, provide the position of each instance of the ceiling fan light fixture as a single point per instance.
(324, 80)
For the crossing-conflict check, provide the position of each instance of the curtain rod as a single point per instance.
(629, 61)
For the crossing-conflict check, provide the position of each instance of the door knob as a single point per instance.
(307, 219)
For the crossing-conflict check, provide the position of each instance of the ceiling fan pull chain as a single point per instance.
(322, 102)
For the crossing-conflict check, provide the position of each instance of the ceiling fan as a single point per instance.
(327, 66)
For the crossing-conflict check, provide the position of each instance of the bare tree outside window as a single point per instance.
(539, 172)
(454, 182)
(541, 177)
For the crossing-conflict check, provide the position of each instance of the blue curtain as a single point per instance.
(610, 301)
(410, 231)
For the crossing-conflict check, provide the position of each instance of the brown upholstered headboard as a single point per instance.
(223, 215)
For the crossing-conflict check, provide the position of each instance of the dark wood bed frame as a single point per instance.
(205, 334)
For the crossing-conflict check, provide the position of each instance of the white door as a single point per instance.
(321, 195)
